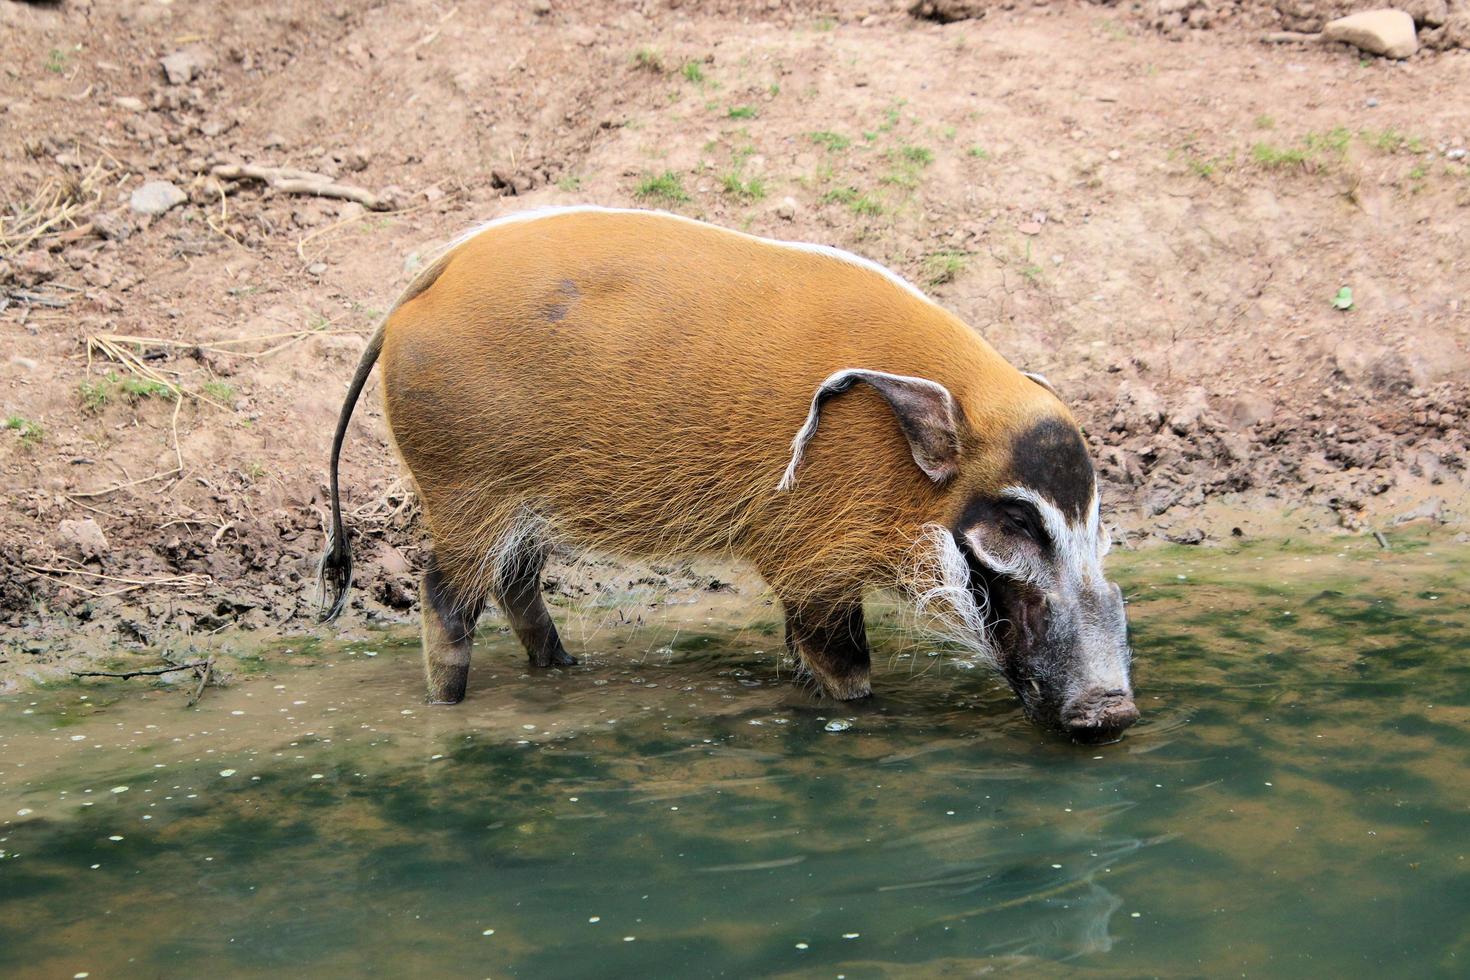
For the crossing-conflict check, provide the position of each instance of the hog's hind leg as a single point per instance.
(448, 635)
(831, 641)
(517, 591)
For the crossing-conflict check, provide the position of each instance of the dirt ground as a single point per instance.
(1157, 213)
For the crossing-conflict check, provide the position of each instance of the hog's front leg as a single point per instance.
(831, 641)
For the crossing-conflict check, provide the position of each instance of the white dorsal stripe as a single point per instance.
(552, 211)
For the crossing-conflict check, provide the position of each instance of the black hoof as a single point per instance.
(557, 658)
(448, 686)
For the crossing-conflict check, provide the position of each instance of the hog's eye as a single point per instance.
(1020, 519)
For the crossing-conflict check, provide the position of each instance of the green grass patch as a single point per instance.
(219, 391)
(1277, 157)
(943, 267)
(693, 71)
(743, 112)
(978, 152)
(747, 190)
(1392, 141)
(648, 59)
(834, 142)
(667, 187)
(30, 433)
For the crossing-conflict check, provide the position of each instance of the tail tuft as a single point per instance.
(334, 575)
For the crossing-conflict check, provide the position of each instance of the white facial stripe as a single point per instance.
(1079, 547)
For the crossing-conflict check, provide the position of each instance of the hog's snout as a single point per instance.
(1099, 715)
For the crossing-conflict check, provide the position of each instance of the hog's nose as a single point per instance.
(1099, 716)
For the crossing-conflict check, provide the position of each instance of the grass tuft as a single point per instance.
(30, 433)
(667, 187)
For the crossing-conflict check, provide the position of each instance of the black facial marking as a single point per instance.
(1051, 458)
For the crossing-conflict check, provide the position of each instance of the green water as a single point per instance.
(1296, 802)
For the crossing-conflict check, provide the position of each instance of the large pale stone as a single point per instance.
(1386, 32)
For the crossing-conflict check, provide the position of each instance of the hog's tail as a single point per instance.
(335, 571)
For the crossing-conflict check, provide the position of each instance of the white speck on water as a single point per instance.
(96, 866)
(317, 775)
(1182, 578)
(573, 799)
(595, 918)
(119, 789)
(838, 725)
(434, 758)
(1136, 915)
(237, 711)
(629, 939)
(1058, 866)
(1268, 784)
(80, 976)
(851, 935)
(79, 738)
(802, 946)
(529, 728)
(23, 812)
(370, 653)
(227, 773)
(949, 813)
(115, 837)
(488, 932)
(406, 711)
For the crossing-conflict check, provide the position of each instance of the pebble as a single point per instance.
(181, 67)
(157, 197)
(128, 103)
(1458, 153)
(838, 725)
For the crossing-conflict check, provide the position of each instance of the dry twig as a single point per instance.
(289, 181)
(149, 672)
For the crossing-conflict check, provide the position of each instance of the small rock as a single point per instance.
(81, 539)
(1194, 535)
(183, 66)
(787, 209)
(540, 7)
(128, 103)
(1114, 155)
(1029, 228)
(157, 197)
(1372, 102)
(316, 268)
(355, 159)
(1246, 410)
(33, 268)
(1385, 32)
(1185, 416)
(1431, 510)
(1458, 153)
(113, 227)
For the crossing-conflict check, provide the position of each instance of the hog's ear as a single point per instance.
(925, 410)
(1043, 382)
